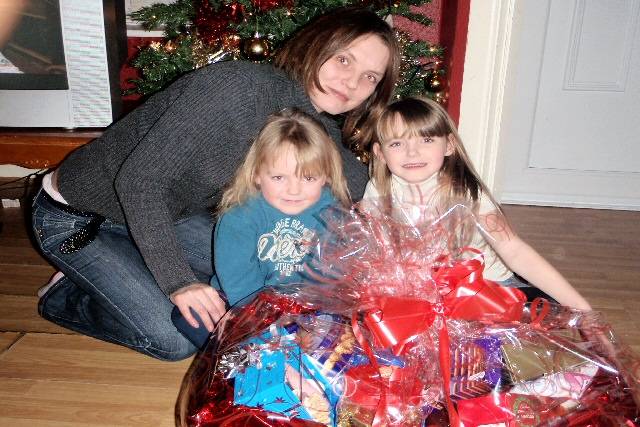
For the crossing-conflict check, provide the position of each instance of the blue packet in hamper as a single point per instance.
(383, 357)
(285, 380)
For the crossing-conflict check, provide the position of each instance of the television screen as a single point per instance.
(31, 46)
(60, 62)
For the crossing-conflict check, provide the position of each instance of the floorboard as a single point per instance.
(50, 376)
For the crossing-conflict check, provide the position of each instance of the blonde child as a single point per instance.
(268, 217)
(419, 160)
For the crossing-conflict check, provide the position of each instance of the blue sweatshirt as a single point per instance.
(256, 245)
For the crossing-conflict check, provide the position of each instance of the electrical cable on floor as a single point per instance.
(5, 186)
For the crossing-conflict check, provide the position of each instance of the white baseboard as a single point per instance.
(625, 204)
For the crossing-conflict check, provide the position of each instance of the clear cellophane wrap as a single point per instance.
(394, 325)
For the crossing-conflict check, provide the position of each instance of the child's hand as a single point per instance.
(204, 300)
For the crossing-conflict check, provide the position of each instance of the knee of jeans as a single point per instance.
(178, 355)
(169, 345)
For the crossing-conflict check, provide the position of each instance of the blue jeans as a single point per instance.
(108, 292)
(198, 336)
(514, 282)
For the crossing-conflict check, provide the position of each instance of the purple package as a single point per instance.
(493, 358)
(475, 367)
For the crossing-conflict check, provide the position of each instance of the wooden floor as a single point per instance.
(52, 377)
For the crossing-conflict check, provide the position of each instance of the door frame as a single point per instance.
(483, 88)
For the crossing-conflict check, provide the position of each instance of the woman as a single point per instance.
(125, 217)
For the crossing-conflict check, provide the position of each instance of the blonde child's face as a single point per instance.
(285, 190)
(414, 158)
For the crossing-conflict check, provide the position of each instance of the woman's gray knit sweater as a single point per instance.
(173, 156)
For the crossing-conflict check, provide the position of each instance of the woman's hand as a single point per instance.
(204, 300)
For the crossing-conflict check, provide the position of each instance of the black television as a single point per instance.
(60, 62)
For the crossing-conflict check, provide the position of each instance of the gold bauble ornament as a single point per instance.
(434, 83)
(257, 48)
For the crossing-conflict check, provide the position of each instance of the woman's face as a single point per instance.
(351, 75)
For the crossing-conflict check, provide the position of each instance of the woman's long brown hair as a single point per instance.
(303, 55)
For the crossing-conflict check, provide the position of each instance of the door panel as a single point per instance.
(572, 101)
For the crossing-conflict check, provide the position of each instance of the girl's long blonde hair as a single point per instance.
(316, 154)
(458, 180)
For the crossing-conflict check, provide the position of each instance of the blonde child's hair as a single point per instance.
(458, 181)
(315, 151)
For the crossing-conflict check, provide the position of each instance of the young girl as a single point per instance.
(269, 214)
(419, 159)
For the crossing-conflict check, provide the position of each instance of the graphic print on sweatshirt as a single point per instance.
(285, 246)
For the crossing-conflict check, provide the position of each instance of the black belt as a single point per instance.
(66, 208)
(85, 235)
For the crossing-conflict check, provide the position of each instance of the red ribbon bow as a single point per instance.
(470, 297)
(394, 322)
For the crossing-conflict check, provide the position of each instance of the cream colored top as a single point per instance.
(49, 186)
(412, 200)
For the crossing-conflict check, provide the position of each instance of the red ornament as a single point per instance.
(213, 24)
(235, 12)
(264, 5)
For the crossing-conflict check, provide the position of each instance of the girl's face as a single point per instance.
(351, 75)
(414, 158)
(285, 190)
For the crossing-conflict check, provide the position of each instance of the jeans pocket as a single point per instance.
(58, 222)
(46, 217)
(53, 229)
(52, 238)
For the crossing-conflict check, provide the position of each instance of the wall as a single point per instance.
(482, 97)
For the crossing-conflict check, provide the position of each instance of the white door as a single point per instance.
(571, 116)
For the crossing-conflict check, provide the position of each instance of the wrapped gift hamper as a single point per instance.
(394, 325)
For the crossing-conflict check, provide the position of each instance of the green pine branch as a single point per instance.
(161, 63)
(174, 18)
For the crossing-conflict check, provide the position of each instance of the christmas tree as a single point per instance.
(201, 32)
